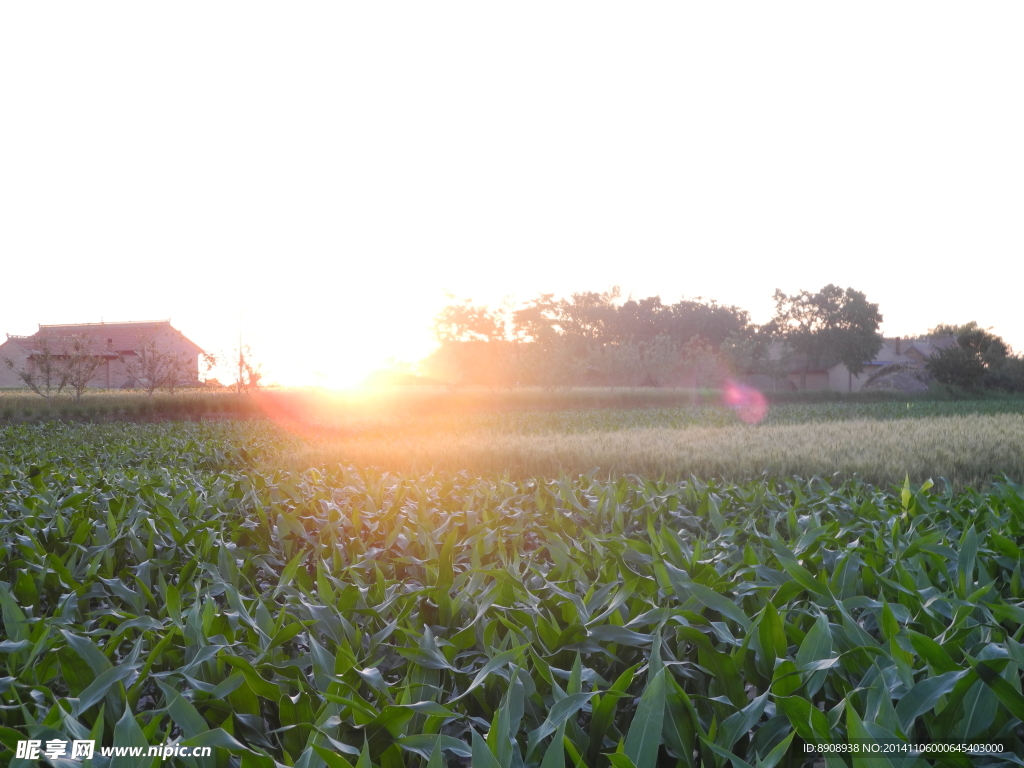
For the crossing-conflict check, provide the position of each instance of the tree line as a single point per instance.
(602, 339)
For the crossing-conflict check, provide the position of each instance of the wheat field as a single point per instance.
(965, 450)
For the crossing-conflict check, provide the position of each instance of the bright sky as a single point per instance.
(322, 173)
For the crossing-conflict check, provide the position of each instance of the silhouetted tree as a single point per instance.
(833, 324)
(979, 358)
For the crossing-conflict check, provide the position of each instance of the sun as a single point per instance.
(347, 377)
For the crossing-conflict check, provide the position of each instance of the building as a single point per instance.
(835, 376)
(114, 342)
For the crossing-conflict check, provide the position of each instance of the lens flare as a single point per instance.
(750, 405)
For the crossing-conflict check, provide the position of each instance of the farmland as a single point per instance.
(172, 583)
(664, 407)
(965, 442)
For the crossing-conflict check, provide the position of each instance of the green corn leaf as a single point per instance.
(736, 760)
(737, 724)
(1008, 696)
(933, 653)
(645, 730)
(500, 660)
(183, 712)
(425, 744)
(482, 756)
(965, 561)
(216, 737)
(771, 635)
(98, 688)
(554, 755)
(778, 752)
(331, 758)
(708, 597)
(807, 720)
(127, 734)
(786, 680)
(89, 653)
(925, 696)
(857, 731)
(604, 712)
(619, 760)
(561, 711)
(258, 685)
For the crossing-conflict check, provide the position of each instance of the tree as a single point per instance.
(43, 373)
(978, 358)
(702, 364)
(250, 376)
(590, 337)
(61, 362)
(832, 325)
(715, 323)
(210, 362)
(150, 367)
(79, 363)
(991, 349)
(477, 346)
(467, 322)
(751, 353)
(956, 366)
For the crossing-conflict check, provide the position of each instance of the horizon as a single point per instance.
(393, 366)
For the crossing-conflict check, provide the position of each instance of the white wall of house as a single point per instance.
(9, 378)
(814, 379)
(841, 380)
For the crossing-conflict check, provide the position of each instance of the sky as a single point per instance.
(322, 177)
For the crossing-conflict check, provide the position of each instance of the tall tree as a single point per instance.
(832, 325)
(975, 360)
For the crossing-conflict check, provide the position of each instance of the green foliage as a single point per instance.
(588, 339)
(833, 325)
(978, 359)
(957, 367)
(157, 585)
(118, 405)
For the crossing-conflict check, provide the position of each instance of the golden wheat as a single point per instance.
(963, 449)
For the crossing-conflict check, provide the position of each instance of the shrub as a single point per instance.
(957, 366)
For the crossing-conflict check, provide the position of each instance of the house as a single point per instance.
(111, 341)
(835, 376)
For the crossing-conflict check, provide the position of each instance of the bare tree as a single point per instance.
(209, 363)
(79, 363)
(249, 376)
(44, 372)
(151, 368)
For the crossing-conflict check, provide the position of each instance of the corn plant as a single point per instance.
(159, 584)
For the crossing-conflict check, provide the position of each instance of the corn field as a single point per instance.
(159, 585)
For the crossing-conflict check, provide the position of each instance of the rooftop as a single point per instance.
(106, 337)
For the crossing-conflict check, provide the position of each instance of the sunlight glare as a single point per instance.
(748, 403)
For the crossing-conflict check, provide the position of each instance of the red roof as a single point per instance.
(112, 337)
